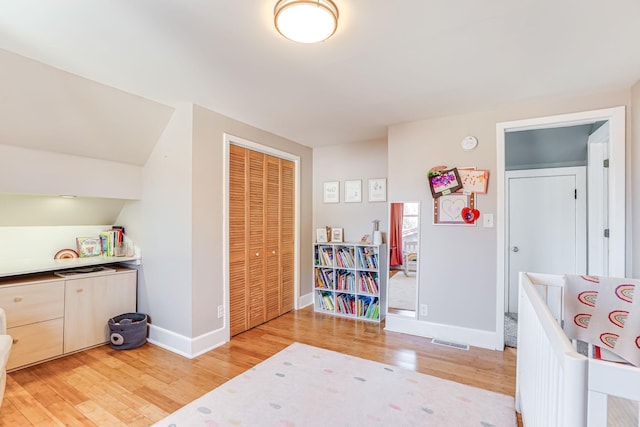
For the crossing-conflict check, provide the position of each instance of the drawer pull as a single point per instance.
(17, 299)
(15, 340)
(80, 290)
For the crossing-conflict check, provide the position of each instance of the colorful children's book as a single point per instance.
(89, 246)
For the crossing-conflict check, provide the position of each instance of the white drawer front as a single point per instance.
(35, 342)
(27, 304)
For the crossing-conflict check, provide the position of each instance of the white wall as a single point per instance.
(458, 274)
(25, 170)
(36, 210)
(160, 224)
(355, 161)
(457, 266)
(26, 243)
(633, 184)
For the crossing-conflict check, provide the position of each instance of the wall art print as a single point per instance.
(444, 181)
(447, 210)
(474, 181)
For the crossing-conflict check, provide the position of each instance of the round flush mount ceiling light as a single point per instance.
(306, 21)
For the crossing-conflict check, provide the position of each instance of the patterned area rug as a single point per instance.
(309, 386)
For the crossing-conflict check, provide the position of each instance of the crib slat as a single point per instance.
(550, 376)
(553, 381)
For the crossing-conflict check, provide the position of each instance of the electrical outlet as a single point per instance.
(220, 311)
(424, 311)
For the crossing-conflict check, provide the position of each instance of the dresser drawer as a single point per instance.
(26, 304)
(36, 342)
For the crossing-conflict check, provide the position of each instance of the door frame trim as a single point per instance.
(617, 190)
(228, 140)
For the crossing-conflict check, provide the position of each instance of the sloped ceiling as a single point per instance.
(389, 62)
(47, 109)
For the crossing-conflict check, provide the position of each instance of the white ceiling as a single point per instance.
(389, 61)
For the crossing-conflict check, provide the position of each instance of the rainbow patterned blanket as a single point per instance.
(602, 311)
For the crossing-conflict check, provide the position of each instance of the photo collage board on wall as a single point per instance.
(454, 192)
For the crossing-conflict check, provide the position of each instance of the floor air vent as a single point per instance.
(450, 344)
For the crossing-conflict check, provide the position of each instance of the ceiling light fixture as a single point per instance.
(306, 21)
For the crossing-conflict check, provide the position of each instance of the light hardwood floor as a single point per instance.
(138, 387)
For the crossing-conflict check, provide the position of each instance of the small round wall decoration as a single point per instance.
(469, 143)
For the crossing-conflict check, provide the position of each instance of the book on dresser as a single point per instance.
(350, 280)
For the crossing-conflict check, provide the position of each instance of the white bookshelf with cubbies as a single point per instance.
(350, 280)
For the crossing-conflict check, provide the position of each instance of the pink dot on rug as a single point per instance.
(396, 407)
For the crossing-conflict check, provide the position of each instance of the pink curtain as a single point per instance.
(395, 234)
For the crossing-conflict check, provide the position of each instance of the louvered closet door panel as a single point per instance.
(238, 301)
(256, 288)
(272, 236)
(287, 230)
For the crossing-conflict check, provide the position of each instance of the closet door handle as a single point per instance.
(257, 253)
(273, 252)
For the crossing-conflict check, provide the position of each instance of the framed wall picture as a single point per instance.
(331, 192)
(353, 191)
(443, 182)
(336, 235)
(474, 181)
(447, 210)
(378, 190)
(321, 235)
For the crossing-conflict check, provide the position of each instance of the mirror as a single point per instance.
(404, 239)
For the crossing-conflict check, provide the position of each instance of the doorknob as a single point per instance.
(515, 249)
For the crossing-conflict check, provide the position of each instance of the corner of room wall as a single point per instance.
(355, 161)
(160, 224)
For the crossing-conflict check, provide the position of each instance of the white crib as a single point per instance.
(556, 385)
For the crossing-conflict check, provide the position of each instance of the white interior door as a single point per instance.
(547, 224)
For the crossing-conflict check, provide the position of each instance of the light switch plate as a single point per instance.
(487, 220)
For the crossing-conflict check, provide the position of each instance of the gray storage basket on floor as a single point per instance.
(128, 330)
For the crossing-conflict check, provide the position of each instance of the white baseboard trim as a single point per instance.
(185, 346)
(305, 300)
(473, 337)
